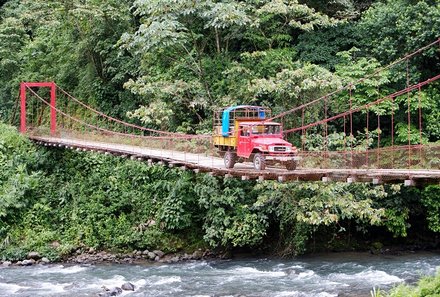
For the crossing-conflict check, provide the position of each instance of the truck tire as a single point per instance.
(259, 162)
(230, 158)
(291, 165)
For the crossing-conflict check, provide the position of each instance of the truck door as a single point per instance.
(244, 142)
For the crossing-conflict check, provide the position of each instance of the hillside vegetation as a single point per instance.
(168, 64)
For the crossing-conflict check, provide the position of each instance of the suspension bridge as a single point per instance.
(339, 136)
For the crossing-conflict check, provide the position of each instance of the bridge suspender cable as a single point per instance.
(350, 86)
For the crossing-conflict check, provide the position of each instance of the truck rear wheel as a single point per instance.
(230, 158)
(291, 165)
(259, 162)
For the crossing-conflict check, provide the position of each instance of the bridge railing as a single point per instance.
(374, 142)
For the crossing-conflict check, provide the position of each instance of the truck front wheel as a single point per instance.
(259, 162)
(230, 158)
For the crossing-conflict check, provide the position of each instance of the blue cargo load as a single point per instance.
(227, 112)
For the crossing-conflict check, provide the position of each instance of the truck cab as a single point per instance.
(244, 133)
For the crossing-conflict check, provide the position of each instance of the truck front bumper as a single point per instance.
(282, 158)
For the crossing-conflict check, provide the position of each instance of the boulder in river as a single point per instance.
(28, 262)
(197, 255)
(151, 255)
(6, 263)
(159, 253)
(174, 259)
(44, 260)
(127, 286)
(34, 255)
(110, 292)
(115, 291)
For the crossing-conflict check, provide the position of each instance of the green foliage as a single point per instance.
(428, 286)
(431, 200)
(303, 207)
(430, 107)
(169, 66)
(70, 43)
(353, 68)
(18, 179)
(300, 85)
(338, 142)
(390, 29)
(405, 134)
(321, 47)
(397, 222)
(156, 114)
(176, 209)
(231, 217)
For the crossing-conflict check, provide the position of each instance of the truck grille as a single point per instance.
(279, 148)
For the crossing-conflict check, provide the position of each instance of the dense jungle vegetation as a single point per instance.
(168, 64)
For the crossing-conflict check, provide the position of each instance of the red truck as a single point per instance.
(243, 133)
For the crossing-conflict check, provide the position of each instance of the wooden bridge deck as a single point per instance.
(214, 165)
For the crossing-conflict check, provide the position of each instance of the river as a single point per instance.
(339, 274)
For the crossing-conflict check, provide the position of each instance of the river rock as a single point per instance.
(174, 259)
(44, 260)
(28, 262)
(115, 291)
(110, 292)
(33, 255)
(6, 263)
(145, 253)
(127, 286)
(159, 253)
(151, 255)
(185, 257)
(197, 255)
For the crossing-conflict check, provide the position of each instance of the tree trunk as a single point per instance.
(217, 40)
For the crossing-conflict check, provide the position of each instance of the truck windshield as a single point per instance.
(266, 129)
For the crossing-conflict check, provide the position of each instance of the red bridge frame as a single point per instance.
(53, 95)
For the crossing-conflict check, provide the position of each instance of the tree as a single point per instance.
(191, 50)
(392, 29)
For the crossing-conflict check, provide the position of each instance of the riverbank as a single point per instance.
(90, 256)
